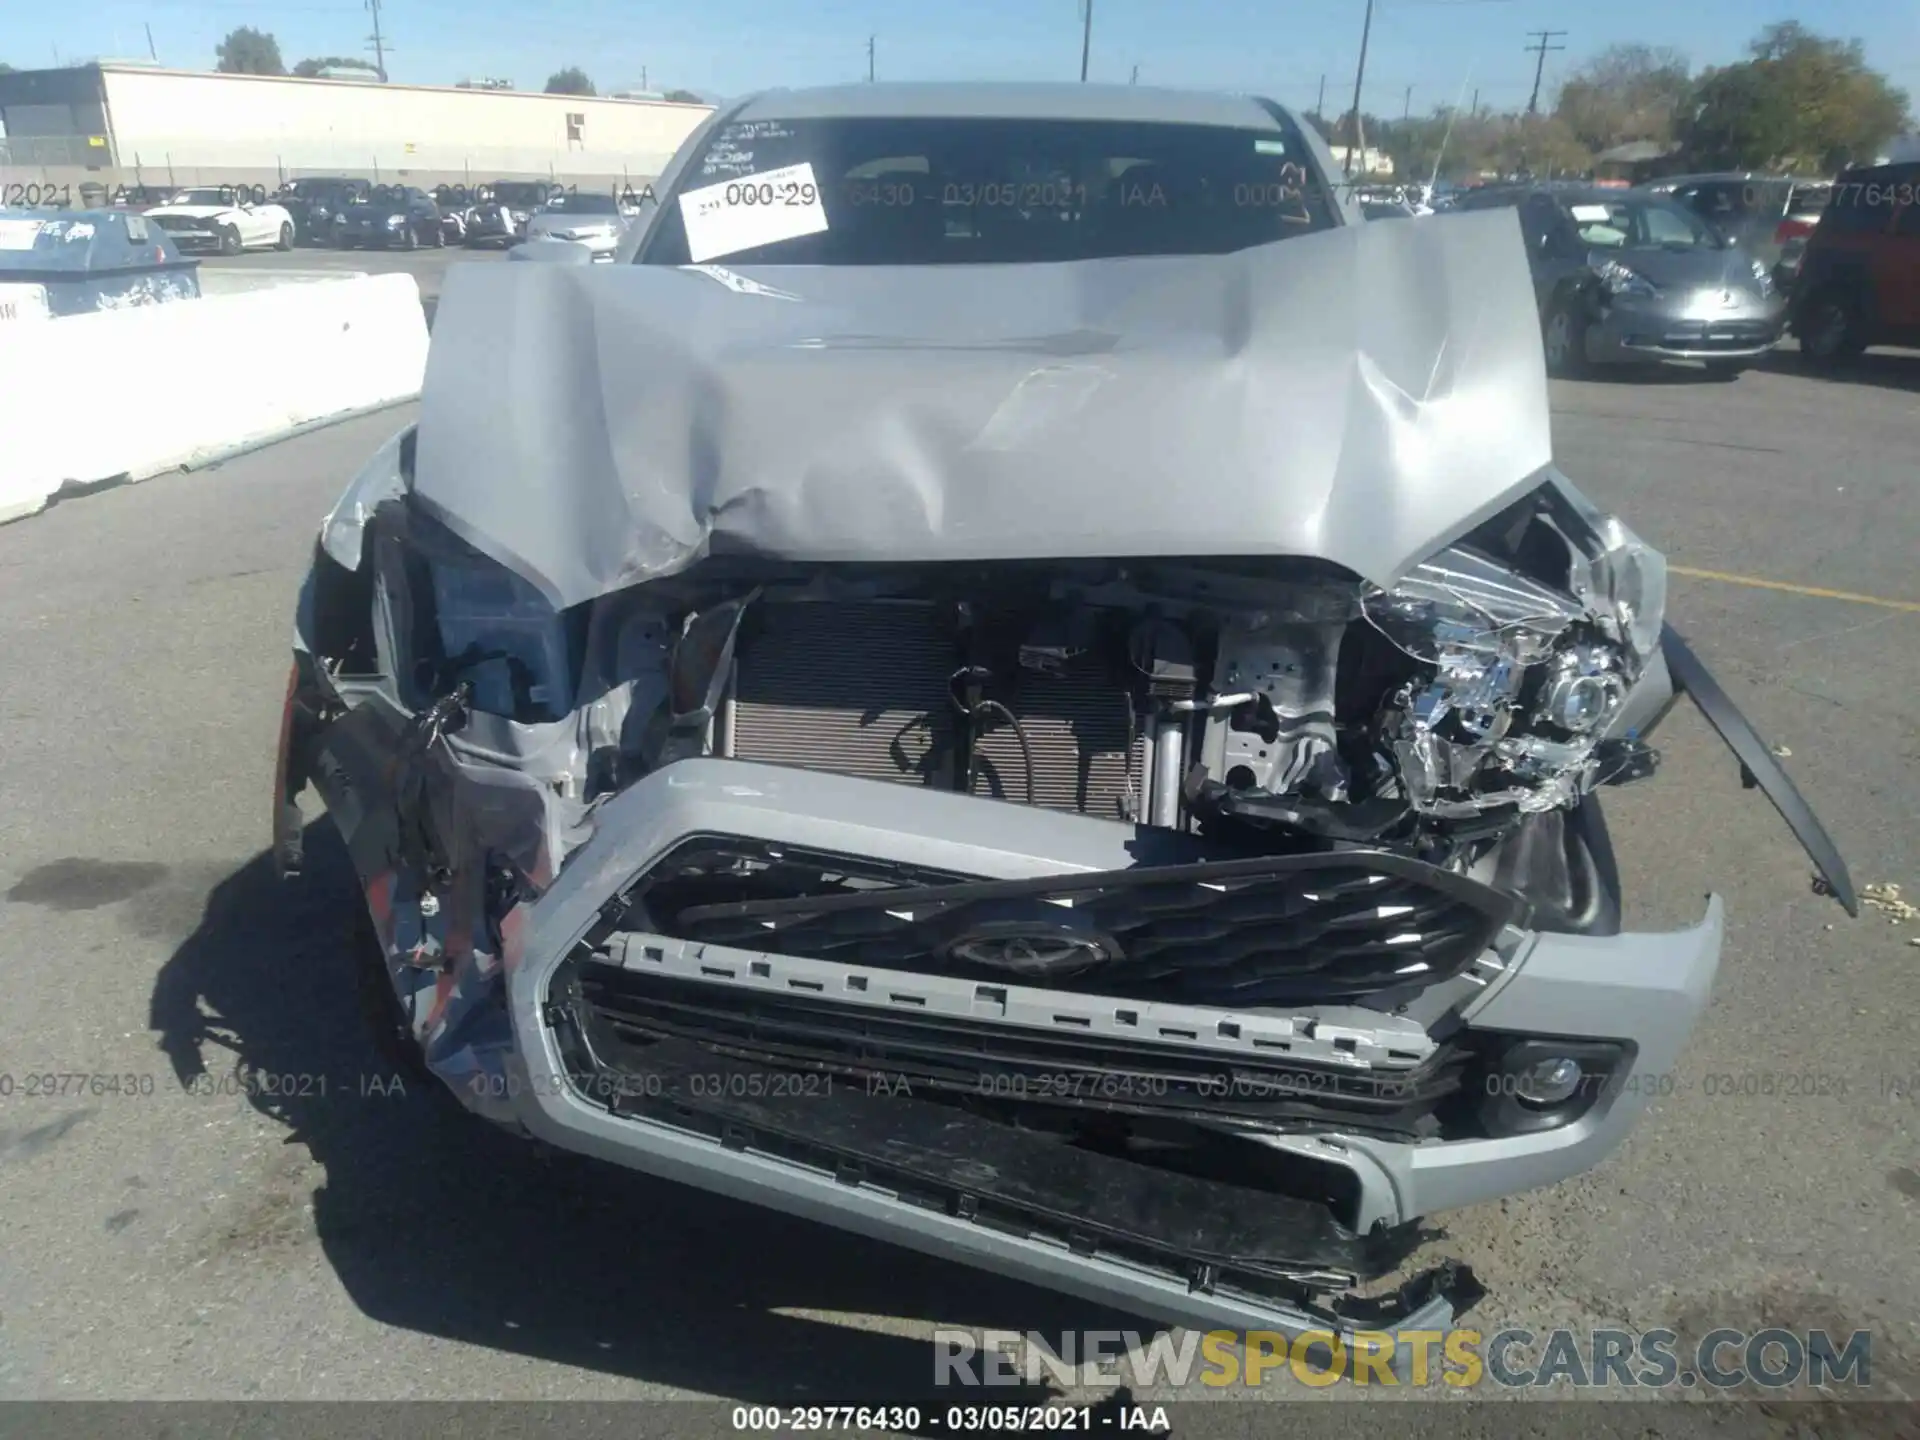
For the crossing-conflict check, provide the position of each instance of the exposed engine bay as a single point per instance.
(1261, 703)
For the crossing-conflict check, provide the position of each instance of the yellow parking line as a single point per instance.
(1815, 591)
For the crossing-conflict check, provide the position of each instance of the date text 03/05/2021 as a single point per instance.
(953, 1419)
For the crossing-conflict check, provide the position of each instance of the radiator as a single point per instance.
(862, 689)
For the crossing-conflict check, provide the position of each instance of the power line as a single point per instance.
(1358, 137)
(1540, 47)
(379, 46)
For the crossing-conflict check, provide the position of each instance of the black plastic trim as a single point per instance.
(1758, 767)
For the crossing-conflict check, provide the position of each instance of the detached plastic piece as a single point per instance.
(1758, 767)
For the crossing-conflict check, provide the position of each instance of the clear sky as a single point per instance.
(725, 47)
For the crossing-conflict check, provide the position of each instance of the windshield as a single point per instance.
(956, 191)
(203, 197)
(581, 205)
(520, 195)
(1640, 224)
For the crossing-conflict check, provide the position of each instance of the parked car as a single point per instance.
(140, 197)
(593, 220)
(1632, 278)
(1385, 205)
(1859, 281)
(922, 749)
(315, 201)
(1759, 213)
(1392, 202)
(503, 216)
(401, 216)
(224, 219)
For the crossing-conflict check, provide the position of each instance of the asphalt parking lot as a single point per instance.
(341, 1241)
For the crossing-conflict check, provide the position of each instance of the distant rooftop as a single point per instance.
(333, 81)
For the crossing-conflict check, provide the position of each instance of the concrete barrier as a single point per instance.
(127, 394)
(239, 280)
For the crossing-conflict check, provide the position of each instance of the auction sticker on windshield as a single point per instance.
(751, 211)
(20, 234)
(1590, 214)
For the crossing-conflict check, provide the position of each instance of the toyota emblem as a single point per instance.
(1036, 946)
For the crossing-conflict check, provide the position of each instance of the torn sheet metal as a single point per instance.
(1362, 395)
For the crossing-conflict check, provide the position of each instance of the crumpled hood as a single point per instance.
(1362, 396)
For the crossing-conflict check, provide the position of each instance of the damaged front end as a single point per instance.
(1174, 930)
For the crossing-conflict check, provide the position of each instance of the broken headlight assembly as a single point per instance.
(1527, 660)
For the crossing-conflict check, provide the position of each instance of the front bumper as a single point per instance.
(495, 232)
(853, 1165)
(195, 242)
(374, 237)
(601, 244)
(1631, 331)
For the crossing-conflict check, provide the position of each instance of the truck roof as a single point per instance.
(1010, 101)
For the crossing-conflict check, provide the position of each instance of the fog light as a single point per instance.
(1552, 1081)
(1530, 1084)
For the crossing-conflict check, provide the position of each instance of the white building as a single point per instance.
(201, 125)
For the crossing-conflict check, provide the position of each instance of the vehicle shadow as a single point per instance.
(1655, 375)
(1887, 369)
(439, 1223)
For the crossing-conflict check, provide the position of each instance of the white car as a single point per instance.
(225, 219)
(595, 221)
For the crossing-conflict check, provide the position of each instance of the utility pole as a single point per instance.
(1406, 112)
(869, 59)
(1475, 112)
(1320, 105)
(1086, 37)
(379, 45)
(1359, 77)
(1540, 49)
(1134, 79)
(152, 54)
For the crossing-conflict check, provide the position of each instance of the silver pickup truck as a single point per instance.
(1015, 680)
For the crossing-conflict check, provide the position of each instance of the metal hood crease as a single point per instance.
(1360, 396)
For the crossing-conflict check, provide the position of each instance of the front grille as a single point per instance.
(181, 223)
(864, 689)
(1708, 335)
(959, 1058)
(1275, 930)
